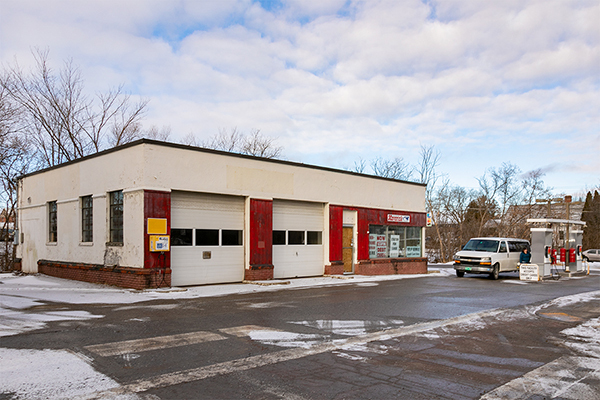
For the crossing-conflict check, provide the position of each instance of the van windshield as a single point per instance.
(482, 245)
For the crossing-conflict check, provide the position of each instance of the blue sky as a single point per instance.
(338, 80)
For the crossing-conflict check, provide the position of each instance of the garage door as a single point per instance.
(297, 239)
(206, 238)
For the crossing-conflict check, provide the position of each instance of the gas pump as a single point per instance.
(572, 258)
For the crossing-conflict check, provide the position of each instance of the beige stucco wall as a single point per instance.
(182, 169)
(65, 185)
(152, 166)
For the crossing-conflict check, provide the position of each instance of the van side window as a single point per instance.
(502, 247)
(513, 247)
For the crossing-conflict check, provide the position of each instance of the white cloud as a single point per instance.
(367, 78)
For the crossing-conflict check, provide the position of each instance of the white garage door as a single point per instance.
(206, 238)
(297, 239)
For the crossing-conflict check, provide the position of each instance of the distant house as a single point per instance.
(4, 219)
(152, 213)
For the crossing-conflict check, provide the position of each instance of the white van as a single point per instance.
(489, 256)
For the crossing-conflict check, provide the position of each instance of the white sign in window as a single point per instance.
(394, 246)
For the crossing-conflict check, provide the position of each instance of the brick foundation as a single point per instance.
(336, 268)
(391, 266)
(259, 273)
(126, 277)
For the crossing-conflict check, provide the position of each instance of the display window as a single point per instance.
(391, 241)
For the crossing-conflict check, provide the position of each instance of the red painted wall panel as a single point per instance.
(261, 232)
(156, 205)
(336, 222)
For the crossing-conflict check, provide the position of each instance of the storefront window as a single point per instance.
(389, 241)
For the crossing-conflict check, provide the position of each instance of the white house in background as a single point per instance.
(220, 217)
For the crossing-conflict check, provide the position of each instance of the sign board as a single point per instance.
(377, 246)
(529, 272)
(413, 251)
(429, 220)
(394, 246)
(398, 218)
(160, 243)
(157, 226)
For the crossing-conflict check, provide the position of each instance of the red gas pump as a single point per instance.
(563, 254)
(572, 258)
(553, 256)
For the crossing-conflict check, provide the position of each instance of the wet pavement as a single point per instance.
(425, 338)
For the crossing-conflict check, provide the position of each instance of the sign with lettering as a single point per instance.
(377, 246)
(394, 246)
(413, 251)
(398, 218)
(160, 243)
(529, 272)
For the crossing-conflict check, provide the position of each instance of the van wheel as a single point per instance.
(495, 272)
(460, 274)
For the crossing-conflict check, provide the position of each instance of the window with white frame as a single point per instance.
(87, 219)
(116, 216)
(52, 222)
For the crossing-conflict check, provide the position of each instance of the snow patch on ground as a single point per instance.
(349, 327)
(50, 374)
(285, 339)
(585, 338)
(568, 301)
(15, 322)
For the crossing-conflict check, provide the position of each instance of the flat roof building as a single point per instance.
(152, 213)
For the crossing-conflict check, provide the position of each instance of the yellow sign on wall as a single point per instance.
(160, 243)
(157, 226)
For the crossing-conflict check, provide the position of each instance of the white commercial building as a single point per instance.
(152, 213)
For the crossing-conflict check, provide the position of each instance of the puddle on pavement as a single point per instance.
(560, 316)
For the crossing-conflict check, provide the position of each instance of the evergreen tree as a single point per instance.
(591, 216)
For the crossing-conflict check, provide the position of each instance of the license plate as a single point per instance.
(468, 269)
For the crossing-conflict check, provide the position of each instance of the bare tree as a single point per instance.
(425, 170)
(256, 144)
(448, 206)
(191, 140)
(156, 133)
(61, 120)
(360, 166)
(14, 161)
(234, 141)
(514, 194)
(395, 169)
(231, 141)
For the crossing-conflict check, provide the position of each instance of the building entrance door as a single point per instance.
(348, 249)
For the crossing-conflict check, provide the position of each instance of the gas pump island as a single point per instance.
(556, 245)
